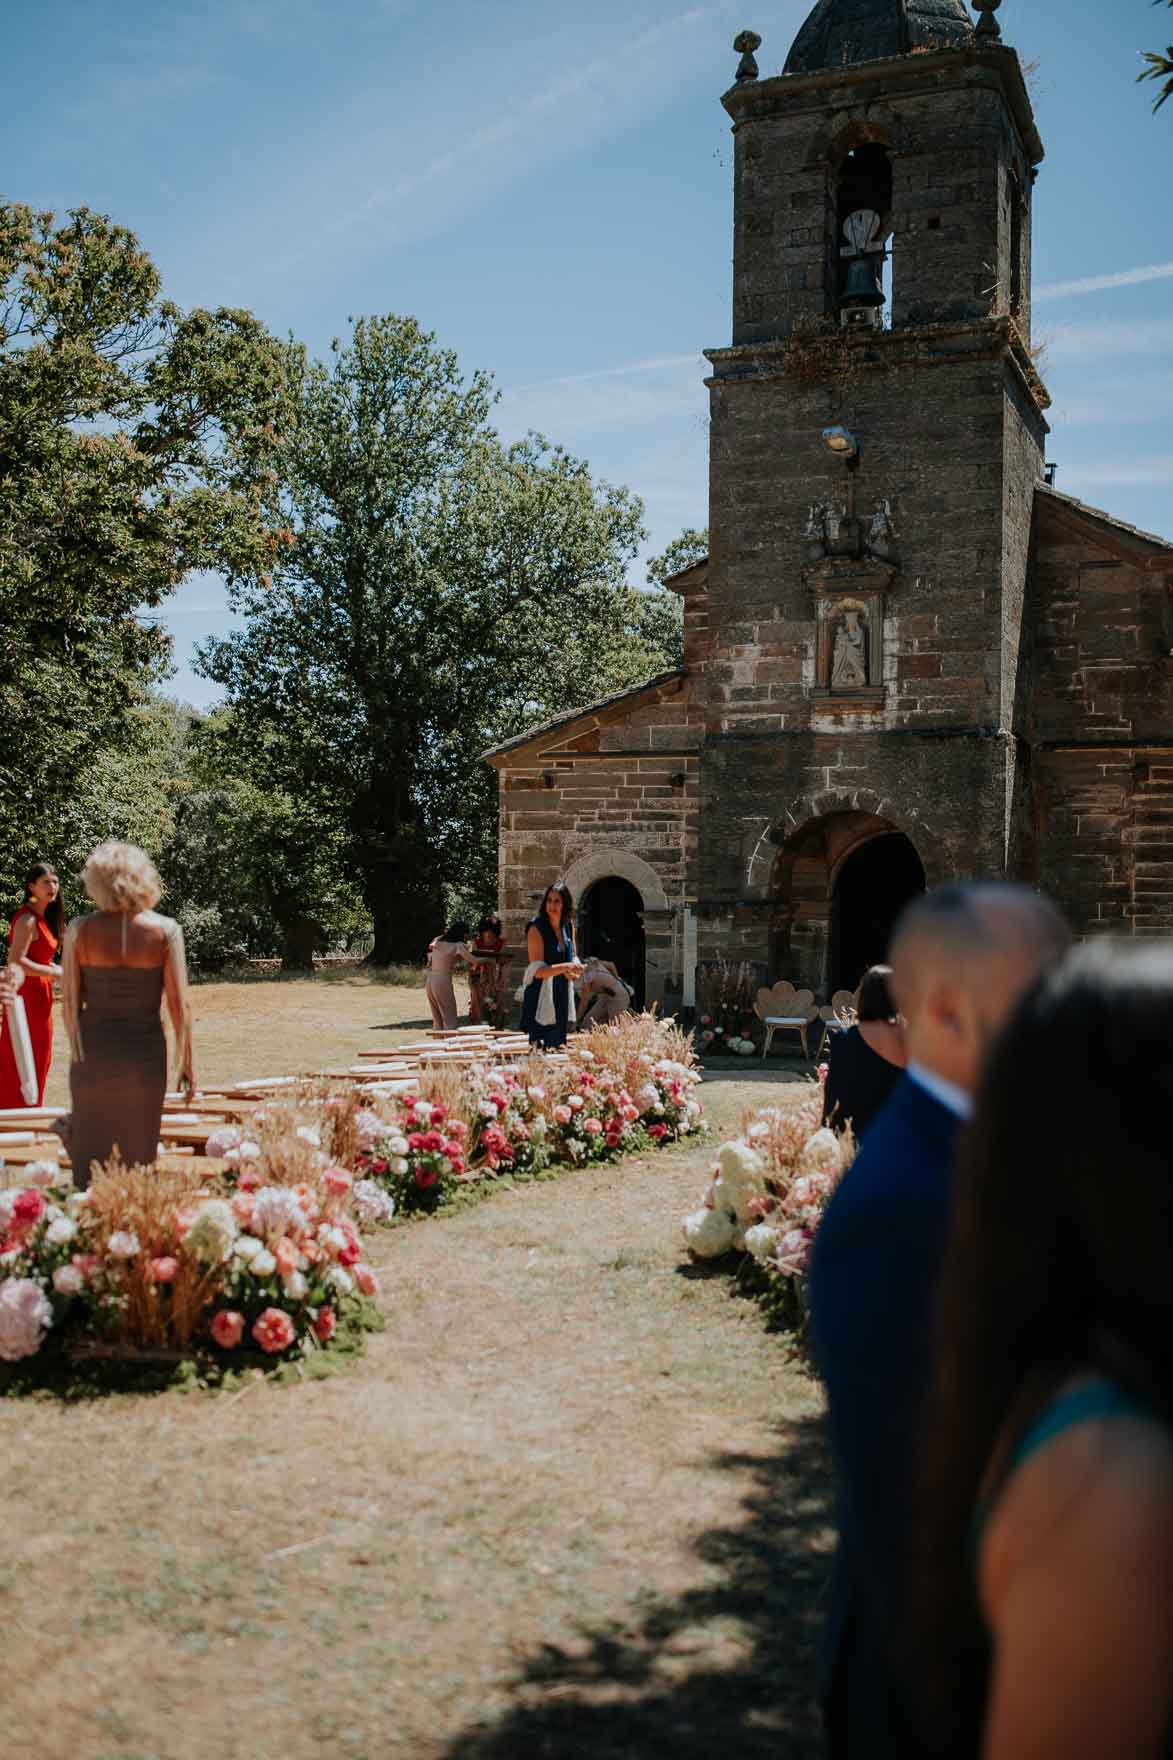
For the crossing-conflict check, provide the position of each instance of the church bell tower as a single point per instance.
(877, 431)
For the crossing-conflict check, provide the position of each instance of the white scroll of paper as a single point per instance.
(17, 1024)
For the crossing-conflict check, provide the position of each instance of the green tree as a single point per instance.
(441, 591)
(136, 443)
(691, 546)
(248, 872)
(1160, 67)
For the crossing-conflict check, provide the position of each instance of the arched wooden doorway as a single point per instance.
(840, 882)
(611, 927)
(871, 888)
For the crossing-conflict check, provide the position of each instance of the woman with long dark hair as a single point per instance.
(1044, 1593)
(34, 941)
(866, 1062)
(553, 963)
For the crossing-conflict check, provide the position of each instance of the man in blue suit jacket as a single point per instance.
(961, 958)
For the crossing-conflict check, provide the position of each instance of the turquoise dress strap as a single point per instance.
(1099, 1398)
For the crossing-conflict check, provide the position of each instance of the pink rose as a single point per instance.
(337, 1181)
(562, 1114)
(29, 1207)
(350, 1254)
(658, 1132)
(457, 1128)
(273, 1330)
(439, 1113)
(593, 1126)
(249, 1178)
(425, 1177)
(163, 1270)
(325, 1325)
(227, 1328)
(242, 1209)
(366, 1280)
(287, 1256)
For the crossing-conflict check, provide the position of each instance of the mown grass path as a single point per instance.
(573, 1502)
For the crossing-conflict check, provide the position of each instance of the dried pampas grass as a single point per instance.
(148, 1202)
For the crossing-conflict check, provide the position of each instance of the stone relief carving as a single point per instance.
(834, 530)
(849, 655)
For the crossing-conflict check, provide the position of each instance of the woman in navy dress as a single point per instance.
(552, 959)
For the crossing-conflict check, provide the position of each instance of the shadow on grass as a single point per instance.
(728, 1667)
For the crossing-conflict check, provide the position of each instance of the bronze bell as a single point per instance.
(862, 286)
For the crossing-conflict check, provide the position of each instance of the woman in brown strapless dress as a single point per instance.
(120, 963)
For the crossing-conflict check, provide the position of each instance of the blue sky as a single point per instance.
(547, 184)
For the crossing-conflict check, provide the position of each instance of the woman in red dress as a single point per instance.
(34, 947)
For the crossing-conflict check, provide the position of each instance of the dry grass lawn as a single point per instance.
(571, 1503)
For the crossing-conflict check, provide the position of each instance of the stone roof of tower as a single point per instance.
(839, 33)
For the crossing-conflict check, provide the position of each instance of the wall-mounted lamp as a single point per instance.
(842, 443)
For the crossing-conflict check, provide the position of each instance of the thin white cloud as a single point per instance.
(1098, 283)
(526, 120)
(658, 363)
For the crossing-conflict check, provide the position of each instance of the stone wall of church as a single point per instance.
(1102, 711)
(934, 452)
(626, 803)
(946, 794)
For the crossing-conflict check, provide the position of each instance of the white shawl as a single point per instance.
(546, 1014)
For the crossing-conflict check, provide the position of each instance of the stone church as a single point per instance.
(908, 657)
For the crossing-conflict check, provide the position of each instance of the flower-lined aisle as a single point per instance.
(258, 1250)
(767, 1195)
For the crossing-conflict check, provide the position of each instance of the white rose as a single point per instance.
(397, 1144)
(25, 1313)
(536, 1093)
(60, 1230)
(295, 1285)
(708, 1233)
(68, 1280)
(821, 1153)
(762, 1241)
(342, 1281)
(263, 1263)
(249, 1151)
(123, 1244)
(247, 1247)
(310, 1134)
(42, 1174)
(399, 1166)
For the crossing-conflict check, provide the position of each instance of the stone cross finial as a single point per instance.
(987, 23)
(745, 42)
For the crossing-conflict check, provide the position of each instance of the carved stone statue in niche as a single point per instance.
(849, 656)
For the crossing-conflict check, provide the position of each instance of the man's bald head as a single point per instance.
(961, 958)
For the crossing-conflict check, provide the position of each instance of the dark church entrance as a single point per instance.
(872, 887)
(612, 927)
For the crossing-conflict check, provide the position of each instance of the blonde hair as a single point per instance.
(121, 877)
